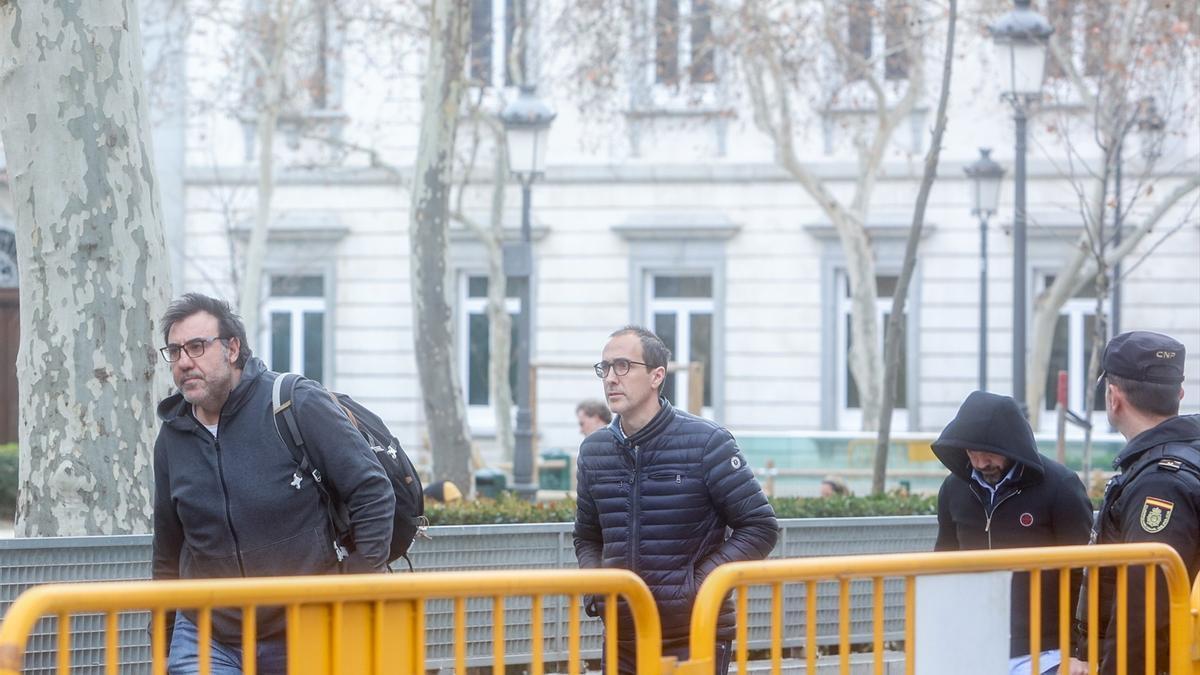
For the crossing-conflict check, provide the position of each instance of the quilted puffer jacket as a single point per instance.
(659, 502)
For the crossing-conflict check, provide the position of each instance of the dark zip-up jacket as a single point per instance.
(228, 506)
(1042, 504)
(1154, 498)
(659, 503)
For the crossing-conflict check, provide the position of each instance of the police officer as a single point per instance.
(1156, 495)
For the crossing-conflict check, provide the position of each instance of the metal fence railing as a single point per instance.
(876, 571)
(369, 623)
(337, 624)
(25, 563)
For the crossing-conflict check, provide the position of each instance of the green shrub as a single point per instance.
(8, 480)
(890, 504)
(511, 509)
(507, 509)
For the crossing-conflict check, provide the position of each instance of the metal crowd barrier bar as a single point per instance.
(844, 570)
(339, 624)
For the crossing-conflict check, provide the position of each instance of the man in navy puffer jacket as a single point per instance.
(658, 489)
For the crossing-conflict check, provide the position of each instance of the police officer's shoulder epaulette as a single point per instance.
(1169, 464)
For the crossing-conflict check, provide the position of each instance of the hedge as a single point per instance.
(511, 509)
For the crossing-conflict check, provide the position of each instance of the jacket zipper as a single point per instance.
(987, 527)
(237, 548)
(636, 510)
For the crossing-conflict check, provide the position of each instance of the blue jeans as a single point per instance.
(184, 658)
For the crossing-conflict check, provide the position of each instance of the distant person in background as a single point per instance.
(443, 492)
(1002, 493)
(834, 486)
(592, 415)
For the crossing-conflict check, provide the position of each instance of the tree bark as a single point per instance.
(895, 327)
(93, 264)
(445, 413)
(499, 320)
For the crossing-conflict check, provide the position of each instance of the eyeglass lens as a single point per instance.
(194, 348)
(619, 366)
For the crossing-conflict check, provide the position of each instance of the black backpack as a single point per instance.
(409, 518)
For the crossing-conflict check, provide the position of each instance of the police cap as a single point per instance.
(1144, 357)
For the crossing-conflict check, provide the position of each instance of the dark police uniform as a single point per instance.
(1154, 498)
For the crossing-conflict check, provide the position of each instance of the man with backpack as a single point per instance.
(231, 499)
(1155, 497)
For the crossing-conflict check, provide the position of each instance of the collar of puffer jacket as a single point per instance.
(662, 420)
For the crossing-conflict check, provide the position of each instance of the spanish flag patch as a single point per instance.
(1156, 513)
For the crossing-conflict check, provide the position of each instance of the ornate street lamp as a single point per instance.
(985, 175)
(526, 126)
(1021, 38)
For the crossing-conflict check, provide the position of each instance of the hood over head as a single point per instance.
(988, 422)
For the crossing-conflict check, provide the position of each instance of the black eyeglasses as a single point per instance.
(194, 348)
(618, 366)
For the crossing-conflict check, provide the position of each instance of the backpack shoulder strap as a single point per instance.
(282, 409)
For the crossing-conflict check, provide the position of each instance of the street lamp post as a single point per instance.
(1021, 37)
(526, 123)
(985, 175)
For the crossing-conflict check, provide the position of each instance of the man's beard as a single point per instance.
(215, 389)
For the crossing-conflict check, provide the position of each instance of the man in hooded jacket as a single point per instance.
(1002, 493)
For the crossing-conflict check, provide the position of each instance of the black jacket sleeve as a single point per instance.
(947, 536)
(1072, 512)
(740, 502)
(341, 453)
(168, 530)
(589, 542)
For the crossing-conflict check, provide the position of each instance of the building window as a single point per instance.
(896, 36)
(1079, 29)
(314, 83)
(860, 29)
(680, 312)
(1071, 350)
(683, 42)
(863, 42)
(475, 346)
(849, 399)
(490, 61)
(293, 325)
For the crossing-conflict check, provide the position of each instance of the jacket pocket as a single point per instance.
(306, 552)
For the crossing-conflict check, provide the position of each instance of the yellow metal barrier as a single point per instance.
(811, 571)
(340, 624)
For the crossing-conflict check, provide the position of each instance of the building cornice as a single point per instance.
(638, 171)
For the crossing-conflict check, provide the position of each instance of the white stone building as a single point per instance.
(671, 214)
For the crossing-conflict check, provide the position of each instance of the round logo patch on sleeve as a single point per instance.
(1026, 519)
(1156, 513)
(737, 463)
